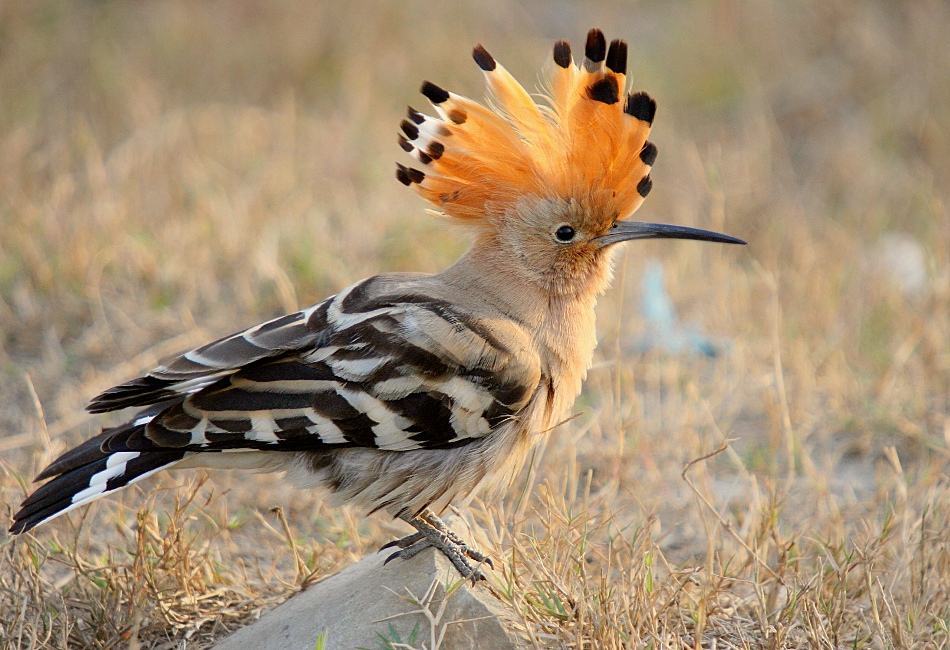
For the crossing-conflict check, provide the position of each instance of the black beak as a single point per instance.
(628, 230)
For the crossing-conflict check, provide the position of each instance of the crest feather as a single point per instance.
(588, 142)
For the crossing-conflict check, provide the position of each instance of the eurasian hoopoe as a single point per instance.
(404, 392)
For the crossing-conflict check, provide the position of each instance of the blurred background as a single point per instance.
(173, 171)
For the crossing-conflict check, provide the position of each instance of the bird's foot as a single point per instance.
(469, 551)
(432, 531)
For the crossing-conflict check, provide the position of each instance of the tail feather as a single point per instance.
(85, 484)
(110, 440)
(88, 472)
(88, 452)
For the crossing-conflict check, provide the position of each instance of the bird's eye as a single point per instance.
(564, 234)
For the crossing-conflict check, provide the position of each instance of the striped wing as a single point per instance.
(395, 372)
(194, 370)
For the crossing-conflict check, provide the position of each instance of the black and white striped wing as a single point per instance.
(370, 367)
(201, 367)
(393, 374)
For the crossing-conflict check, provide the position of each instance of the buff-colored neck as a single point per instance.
(562, 323)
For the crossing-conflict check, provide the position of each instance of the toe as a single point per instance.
(410, 550)
(403, 542)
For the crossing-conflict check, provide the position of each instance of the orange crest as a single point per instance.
(588, 143)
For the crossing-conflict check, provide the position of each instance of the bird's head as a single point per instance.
(548, 187)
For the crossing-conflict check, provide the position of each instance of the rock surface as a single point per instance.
(367, 604)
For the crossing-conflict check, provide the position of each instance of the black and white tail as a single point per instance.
(125, 454)
(95, 468)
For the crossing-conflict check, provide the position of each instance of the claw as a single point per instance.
(403, 542)
(476, 577)
(410, 549)
(432, 531)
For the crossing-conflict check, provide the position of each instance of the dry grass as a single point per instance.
(170, 172)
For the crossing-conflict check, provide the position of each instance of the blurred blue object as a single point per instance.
(664, 331)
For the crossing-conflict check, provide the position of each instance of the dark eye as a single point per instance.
(565, 233)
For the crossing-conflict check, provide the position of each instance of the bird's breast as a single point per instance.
(566, 343)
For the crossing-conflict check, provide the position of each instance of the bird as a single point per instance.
(407, 392)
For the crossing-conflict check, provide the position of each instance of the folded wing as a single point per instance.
(393, 371)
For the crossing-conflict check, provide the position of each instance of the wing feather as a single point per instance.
(370, 367)
(392, 372)
(201, 367)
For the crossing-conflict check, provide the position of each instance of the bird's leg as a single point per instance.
(432, 531)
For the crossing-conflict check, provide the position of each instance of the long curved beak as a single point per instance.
(628, 230)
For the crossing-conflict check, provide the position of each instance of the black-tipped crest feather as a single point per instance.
(617, 57)
(410, 129)
(484, 60)
(604, 91)
(648, 153)
(596, 47)
(562, 54)
(433, 93)
(641, 106)
(644, 186)
(415, 116)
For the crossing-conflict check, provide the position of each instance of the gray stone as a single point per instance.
(367, 604)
